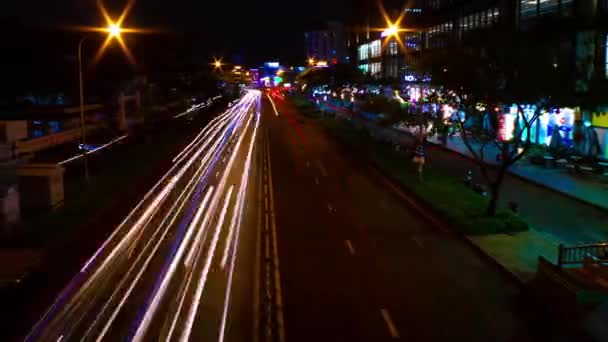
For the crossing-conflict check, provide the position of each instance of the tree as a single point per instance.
(480, 80)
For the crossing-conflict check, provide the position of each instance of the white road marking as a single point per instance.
(392, 329)
(351, 249)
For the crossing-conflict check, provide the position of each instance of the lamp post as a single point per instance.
(114, 32)
(83, 130)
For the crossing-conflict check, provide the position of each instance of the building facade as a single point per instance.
(327, 45)
(568, 36)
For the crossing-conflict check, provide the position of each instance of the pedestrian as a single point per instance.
(419, 158)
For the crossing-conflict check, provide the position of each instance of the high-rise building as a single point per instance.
(328, 44)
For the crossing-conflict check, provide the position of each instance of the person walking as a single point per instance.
(419, 158)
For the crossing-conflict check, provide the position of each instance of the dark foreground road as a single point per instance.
(358, 265)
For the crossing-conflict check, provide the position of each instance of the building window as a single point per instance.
(533, 8)
(528, 8)
(549, 6)
(375, 68)
(413, 40)
(375, 48)
(364, 68)
(393, 48)
(363, 52)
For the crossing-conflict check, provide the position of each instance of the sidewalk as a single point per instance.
(578, 186)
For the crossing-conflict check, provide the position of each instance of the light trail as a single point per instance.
(175, 260)
(138, 276)
(97, 149)
(185, 194)
(244, 185)
(123, 264)
(273, 106)
(222, 183)
(205, 272)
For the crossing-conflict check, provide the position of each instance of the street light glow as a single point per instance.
(114, 30)
(392, 30)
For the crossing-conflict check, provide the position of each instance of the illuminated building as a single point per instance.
(328, 44)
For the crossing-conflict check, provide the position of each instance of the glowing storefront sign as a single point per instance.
(542, 129)
(506, 126)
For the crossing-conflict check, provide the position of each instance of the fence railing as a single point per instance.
(596, 253)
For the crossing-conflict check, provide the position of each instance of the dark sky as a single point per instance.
(254, 30)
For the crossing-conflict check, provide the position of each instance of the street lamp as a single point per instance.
(391, 30)
(113, 32)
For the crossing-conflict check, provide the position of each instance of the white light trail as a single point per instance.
(205, 272)
(177, 171)
(97, 149)
(109, 322)
(273, 106)
(143, 326)
(244, 184)
(221, 184)
(241, 197)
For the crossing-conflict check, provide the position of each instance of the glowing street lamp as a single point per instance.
(311, 61)
(217, 63)
(390, 31)
(114, 30)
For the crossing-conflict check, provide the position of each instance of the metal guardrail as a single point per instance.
(596, 253)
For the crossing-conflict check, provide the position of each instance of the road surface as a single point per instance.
(265, 230)
(357, 264)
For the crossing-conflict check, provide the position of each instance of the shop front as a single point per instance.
(599, 122)
(549, 123)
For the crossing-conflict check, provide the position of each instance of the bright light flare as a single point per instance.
(114, 30)
(217, 63)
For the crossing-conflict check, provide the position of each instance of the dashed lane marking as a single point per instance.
(392, 329)
(350, 247)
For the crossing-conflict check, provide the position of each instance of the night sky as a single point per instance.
(250, 31)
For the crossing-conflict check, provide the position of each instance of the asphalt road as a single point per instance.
(169, 270)
(264, 230)
(357, 264)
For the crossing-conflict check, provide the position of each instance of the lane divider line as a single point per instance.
(350, 247)
(392, 329)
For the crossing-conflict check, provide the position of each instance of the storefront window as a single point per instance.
(528, 8)
(556, 121)
(606, 57)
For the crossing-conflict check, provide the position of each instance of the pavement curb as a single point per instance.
(529, 180)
